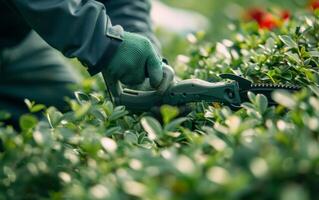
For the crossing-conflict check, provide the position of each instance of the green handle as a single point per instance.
(137, 100)
(195, 90)
(191, 90)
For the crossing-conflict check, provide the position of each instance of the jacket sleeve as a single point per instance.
(133, 16)
(77, 28)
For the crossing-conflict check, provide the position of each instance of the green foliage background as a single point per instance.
(99, 151)
(220, 14)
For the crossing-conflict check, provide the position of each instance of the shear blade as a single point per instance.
(242, 82)
(246, 86)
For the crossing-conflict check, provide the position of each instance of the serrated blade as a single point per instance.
(267, 90)
(275, 86)
(246, 86)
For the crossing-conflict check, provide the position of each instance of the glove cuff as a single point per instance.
(115, 36)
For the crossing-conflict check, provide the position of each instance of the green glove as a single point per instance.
(135, 60)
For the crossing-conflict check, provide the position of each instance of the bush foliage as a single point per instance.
(99, 151)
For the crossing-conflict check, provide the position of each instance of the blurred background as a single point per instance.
(179, 24)
(174, 20)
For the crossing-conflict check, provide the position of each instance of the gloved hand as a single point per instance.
(135, 60)
(167, 81)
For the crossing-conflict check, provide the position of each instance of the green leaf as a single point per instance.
(294, 192)
(54, 116)
(262, 102)
(4, 115)
(34, 107)
(108, 107)
(172, 126)
(109, 144)
(294, 57)
(270, 44)
(248, 106)
(37, 108)
(98, 115)
(314, 53)
(152, 127)
(81, 97)
(83, 110)
(42, 137)
(251, 97)
(309, 22)
(315, 90)
(284, 98)
(130, 137)
(27, 122)
(112, 131)
(118, 113)
(28, 103)
(169, 113)
(288, 41)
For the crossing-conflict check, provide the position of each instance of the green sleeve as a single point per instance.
(77, 28)
(133, 16)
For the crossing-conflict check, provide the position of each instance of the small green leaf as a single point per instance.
(288, 41)
(130, 137)
(109, 144)
(294, 192)
(294, 57)
(54, 116)
(252, 97)
(28, 103)
(172, 126)
(112, 131)
(42, 137)
(27, 122)
(284, 98)
(315, 90)
(84, 109)
(314, 53)
(248, 106)
(4, 115)
(270, 44)
(37, 108)
(169, 113)
(33, 107)
(152, 127)
(98, 115)
(118, 112)
(108, 107)
(309, 22)
(262, 102)
(81, 97)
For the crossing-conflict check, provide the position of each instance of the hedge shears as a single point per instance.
(231, 93)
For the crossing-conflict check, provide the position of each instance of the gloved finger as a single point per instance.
(132, 79)
(154, 70)
(145, 86)
(168, 79)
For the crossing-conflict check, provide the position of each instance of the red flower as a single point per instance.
(285, 15)
(268, 22)
(256, 14)
(315, 4)
(264, 19)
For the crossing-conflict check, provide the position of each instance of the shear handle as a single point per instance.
(137, 99)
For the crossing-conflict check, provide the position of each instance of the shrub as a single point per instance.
(99, 151)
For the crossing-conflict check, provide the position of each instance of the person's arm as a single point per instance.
(134, 16)
(76, 28)
(82, 29)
